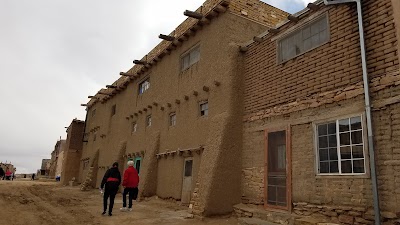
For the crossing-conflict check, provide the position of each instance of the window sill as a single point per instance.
(336, 176)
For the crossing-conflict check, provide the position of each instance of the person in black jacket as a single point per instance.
(111, 181)
(2, 174)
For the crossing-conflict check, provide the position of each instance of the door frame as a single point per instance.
(183, 176)
(288, 168)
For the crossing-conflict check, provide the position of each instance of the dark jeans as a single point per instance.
(111, 189)
(133, 192)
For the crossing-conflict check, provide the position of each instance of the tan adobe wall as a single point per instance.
(324, 84)
(396, 16)
(72, 152)
(335, 64)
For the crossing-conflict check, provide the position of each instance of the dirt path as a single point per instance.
(47, 203)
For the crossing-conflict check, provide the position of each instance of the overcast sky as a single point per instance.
(54, 53)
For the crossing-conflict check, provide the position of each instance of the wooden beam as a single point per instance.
(243, 48)
(166, 37)
(273, 31)
(111, 86)
(313, 6)
(84, 104)
(124, 74)
(220, 9)
(206, 89)
(195, 93)
(217, 83)
(177, 101)
(212, 14)
(257, 39)
(204, 21)
(293, 18)
(192, 14)
(140, 62)
(226, 3)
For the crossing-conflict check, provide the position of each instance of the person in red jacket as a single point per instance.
(130, 183)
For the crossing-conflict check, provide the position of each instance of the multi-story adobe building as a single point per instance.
(178, 111)
(57, 159)
(308, 147)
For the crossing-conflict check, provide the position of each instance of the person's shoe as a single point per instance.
(109, 214)
(123, 209)
(130, 209)
(104, 213)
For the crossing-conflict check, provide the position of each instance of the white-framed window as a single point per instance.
(144, 86)
(304, 39)
(204, 109)
(172, 119)
(340, 147)
(191, 57)
(148, 121)
(134, 127)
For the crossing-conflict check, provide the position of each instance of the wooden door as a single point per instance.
(187, 181)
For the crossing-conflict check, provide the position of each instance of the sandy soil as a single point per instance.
(24, 202)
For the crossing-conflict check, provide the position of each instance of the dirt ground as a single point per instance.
(25, 202)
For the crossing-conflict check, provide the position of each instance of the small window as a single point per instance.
(309, 37)
(340, 146)
(190, 58)
(148, 121)
(93, 112)
(85, 164)
(144, 86)
(172, 119)
(113, 110)
(134, 127)
(204, 109)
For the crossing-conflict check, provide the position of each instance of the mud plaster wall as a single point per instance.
(396, 16)
(72, 152)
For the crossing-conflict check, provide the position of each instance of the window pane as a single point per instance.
(323, 142)
(357, 151)
(358, 166)
(314, 29)
(324, 167)
(333, 167)
(332, 128)
(356, 137)
(345, 152)
(315, 40)
(322, 129)
(306, 33)
(323, 36)
(344, 125)
(332, 141)
(323, 155)
(355, 123)
(346, 166)
(333, 154)
(345, 139)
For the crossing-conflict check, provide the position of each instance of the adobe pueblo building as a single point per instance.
(178, 112)
(246, 108)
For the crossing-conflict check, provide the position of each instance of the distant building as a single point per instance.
(57, 159)
(45, 168)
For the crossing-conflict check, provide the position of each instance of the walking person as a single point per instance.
(33, 176)
(110, 183)
(130, 184)
(2, 174)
